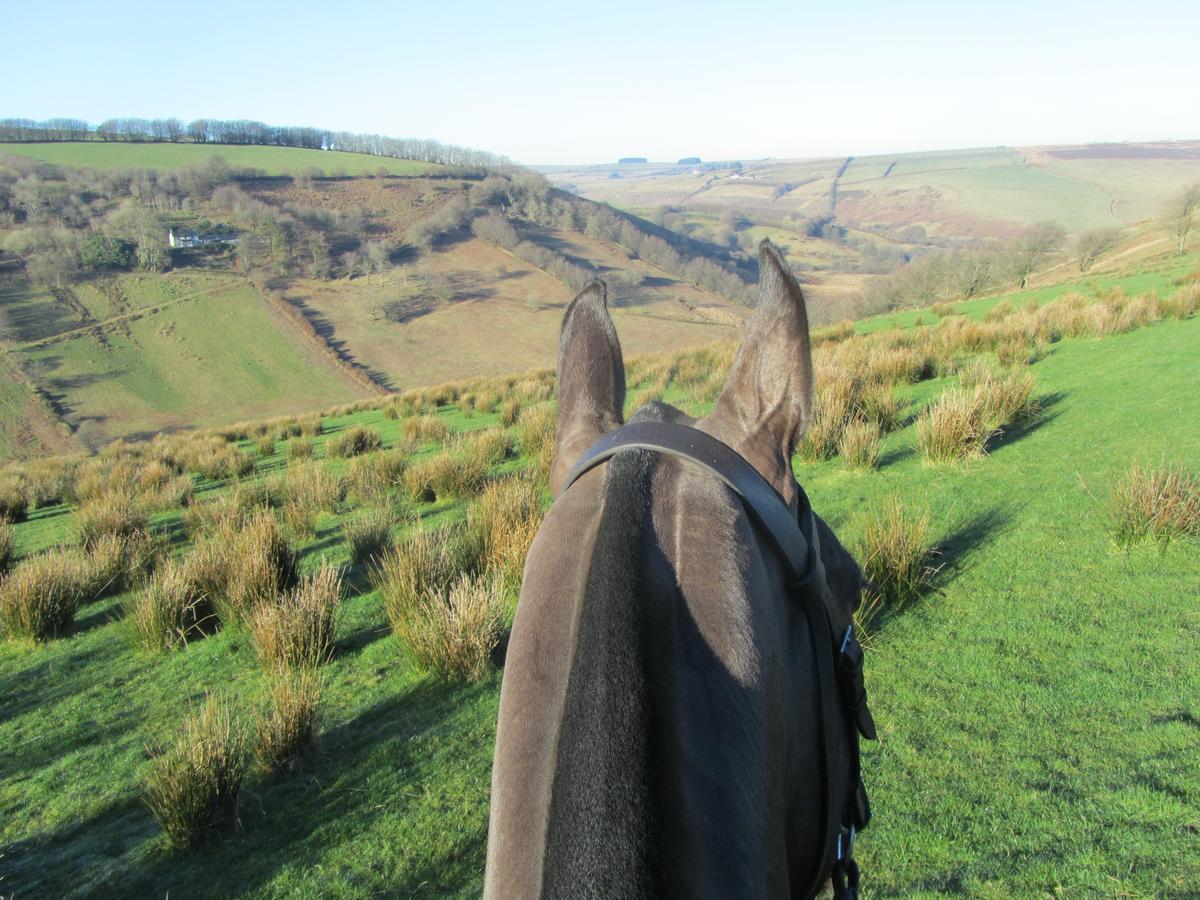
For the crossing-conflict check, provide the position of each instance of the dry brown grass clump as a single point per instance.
(858, 445)
(510, 412)
(312, 484)
(49, 481)
(943, 309)
(39, 597)
(1182, 304)
(1161, 502)
(296, 630)
(215, 459)
(536, 433)
(245, 567)
(285, 731)
(895, 553)
(6, 547)
(353, 441)
(193, 785)
(14, 506)
(368, 534)
(486, 447)
(299, 448)
(954, 427)
(117, 514)
(876, 403)
(311, 425)
(115, 563)
(376, 474)
(833, 408)
(451, 473)
(265, 446)
(1008, 398)
(504, 520)
(428, 429)
(167, 611)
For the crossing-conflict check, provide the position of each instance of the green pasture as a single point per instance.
(212, 347)
(1037, 708)
(272, 160)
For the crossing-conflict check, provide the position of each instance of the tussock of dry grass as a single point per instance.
(6, 547)
(429, 429)
(895, 553)
(118, 515)
(368, 534)
(510, 412)
(449, 474)
(244, 568)
(504, 520)
(284, 731)
(1161, 502)
(858, 445)
(167, 611)
(1008, 398)
(954, 427)
(296, 630)
(375, 475)
(353, 441)
(536, 433)
(40, 596)
(299, 448)
(193, 785)
(14, 506)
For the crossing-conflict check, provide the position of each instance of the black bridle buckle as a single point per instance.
(854, 688)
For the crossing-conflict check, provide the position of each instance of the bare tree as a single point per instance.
(1028, 251)
(1181, 215)
(1089, 245)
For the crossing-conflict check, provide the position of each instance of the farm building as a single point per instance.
(180, 238)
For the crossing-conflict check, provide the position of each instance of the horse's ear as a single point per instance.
(591, 378)
(766, 403)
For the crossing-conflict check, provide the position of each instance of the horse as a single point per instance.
(664, 725)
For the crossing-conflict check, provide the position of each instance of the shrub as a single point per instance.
(451, 633)
(13, 504)
(39, 598)
(954, 427)
(192, 787)
(167, 611)
(284, 732)
(858, 445)
(1162, 502)
(299, 448)
(368, 534)
(297, 629)
(895, 553)
(353, 441)
(6, 547)
(118, 515)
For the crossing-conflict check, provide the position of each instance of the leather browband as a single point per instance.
(797, 544)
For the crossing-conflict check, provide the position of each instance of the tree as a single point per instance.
(102, 253)
(1028, 251)
(1090, 245)
(970, 274)
(1181, 213)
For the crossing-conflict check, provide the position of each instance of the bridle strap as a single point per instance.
(797, 545)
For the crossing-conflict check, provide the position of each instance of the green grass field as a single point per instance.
(1037, 708)
(272, 160)
(211, 346)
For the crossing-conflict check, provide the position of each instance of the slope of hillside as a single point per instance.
(130, 356)
(1036, 707)
(165, 157)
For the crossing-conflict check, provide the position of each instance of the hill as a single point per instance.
(337, 288)
(1035, 706)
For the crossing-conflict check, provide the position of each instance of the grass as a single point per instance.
(1034, 708)
(296, 631)
(193, 785)
(166, 611)
(272, 160)
(1162, 503)
(285, 731)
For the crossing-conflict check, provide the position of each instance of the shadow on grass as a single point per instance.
(965, 538)
(1018, 431)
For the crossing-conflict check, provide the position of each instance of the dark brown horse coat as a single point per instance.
(658, 718)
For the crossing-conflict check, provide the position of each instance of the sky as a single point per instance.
(551, 84)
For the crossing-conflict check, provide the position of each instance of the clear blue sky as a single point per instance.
(544, 83)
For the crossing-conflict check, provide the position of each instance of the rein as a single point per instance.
(796, 540)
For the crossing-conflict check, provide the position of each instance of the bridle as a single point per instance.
(796, 539)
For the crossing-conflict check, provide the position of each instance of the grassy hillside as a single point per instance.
(135, 355)
(1036, 707)
(164, 157)
(954, 193)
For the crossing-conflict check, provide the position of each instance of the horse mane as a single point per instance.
(603, 835)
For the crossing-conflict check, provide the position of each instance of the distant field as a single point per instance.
(272, 160)
(212, 347)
